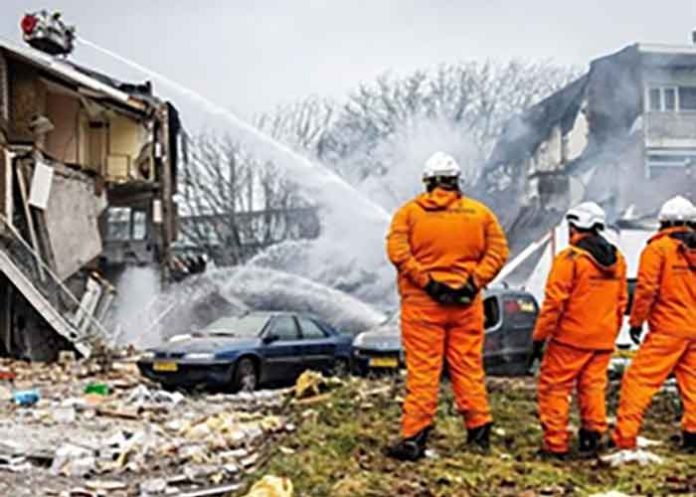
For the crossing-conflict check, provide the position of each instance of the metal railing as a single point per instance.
(50, 286)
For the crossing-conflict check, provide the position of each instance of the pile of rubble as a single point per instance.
(83, 429)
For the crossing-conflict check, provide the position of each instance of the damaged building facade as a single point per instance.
(622, 135)
(87, 179)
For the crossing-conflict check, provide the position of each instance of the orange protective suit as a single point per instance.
(586, 297)
(665, 296)
(449, 238)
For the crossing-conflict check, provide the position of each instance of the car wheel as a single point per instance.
(246, 378)
(340, 368)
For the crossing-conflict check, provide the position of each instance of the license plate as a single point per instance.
(165, 367)
(384, 362)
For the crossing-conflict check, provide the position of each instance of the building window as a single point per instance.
(663, 99)
(125, 224)
(655, 99)
(139, 225)
(671, 99)
(119, 223)
(687, 98)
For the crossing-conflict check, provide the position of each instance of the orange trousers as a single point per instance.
(563, 368)
(658, 357)
(432, 333)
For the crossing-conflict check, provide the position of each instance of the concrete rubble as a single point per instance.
(132, 439)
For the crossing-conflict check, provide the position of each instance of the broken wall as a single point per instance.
(27, 99)
(72, 222)
(62, 143)
(127, 137)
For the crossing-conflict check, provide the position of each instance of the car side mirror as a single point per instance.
(270, 338)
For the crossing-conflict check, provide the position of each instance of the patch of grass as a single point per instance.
(338, 450)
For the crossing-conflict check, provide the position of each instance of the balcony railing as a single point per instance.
(665, 129)
(29, 263)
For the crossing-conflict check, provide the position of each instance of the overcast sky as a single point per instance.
(252, 55)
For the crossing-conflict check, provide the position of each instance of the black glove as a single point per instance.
(467, 293)
(444, 294)
(537, 353)
(635, 332)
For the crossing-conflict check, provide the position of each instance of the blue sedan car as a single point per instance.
(244, 351)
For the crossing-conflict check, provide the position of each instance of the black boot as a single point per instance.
(689, 441)
(589, 441)
(411, 448)
(480, 436)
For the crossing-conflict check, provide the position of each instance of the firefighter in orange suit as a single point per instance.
(582, 313)
(665, 297)
(446, 248)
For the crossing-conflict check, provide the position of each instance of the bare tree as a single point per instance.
(476, 98)
(235, 203)
(231, 204)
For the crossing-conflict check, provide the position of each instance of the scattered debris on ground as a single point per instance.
(638, 456)
(90, 431)
(271, 486)
(105, 431)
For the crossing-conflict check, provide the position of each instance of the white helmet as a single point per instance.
(440, 164)
(586, 216)
(677, 209)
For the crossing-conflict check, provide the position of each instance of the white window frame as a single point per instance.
(662, 89)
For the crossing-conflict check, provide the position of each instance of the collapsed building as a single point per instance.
(622, 135)
(87, 177)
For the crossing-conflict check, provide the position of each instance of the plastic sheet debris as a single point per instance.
(156, 486)
(26, 398)
(638, 456)
(271, 486)
(144, 396)
(73, 460)
(97, 388)
(644, 443)
(6, 375)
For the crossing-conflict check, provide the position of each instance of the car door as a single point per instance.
(519, 316)
(282, 349)
(493, 342)
(318, 347)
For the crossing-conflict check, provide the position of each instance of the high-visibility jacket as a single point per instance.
(586, 295)
(665, 294)
(447, 237)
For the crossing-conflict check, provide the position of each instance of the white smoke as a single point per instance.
(136, 289)
(404, 153)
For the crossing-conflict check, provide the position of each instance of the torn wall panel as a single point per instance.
(72, 223)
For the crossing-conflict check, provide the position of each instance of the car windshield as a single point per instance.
(248, 325)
